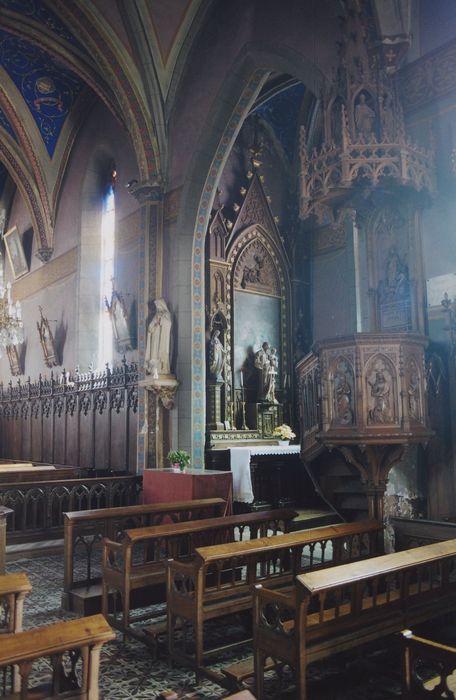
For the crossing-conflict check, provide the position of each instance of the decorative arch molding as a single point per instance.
(11, 158)
(88, 28)
(30, 179)
(287, 61)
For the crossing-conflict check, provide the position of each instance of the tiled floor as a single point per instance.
(128, 671)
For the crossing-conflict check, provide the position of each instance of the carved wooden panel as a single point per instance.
(87, 420)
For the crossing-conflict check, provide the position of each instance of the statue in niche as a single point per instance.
(364, 118)
(388, 117)
(266, 362)
(380, 384)
(47, 341)
(343, 395)
(395, 286)
(158, 346)
(271, 376)
(217, 356)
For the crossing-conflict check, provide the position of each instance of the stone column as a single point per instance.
(149, 194)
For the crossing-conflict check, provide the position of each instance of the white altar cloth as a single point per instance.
(240, 467)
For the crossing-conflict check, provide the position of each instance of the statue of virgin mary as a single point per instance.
(158, 343)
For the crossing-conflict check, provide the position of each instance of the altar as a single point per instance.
(264, 476)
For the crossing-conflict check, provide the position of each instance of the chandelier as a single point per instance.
(11, 325)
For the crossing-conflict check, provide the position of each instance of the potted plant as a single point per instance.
(179, 458)
(284, 434)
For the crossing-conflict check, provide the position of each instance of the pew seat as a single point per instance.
(219, 580)
(85, 529)
(428, 668)
(13, 590)
(68, 645)
(344, 607)
(139, 559)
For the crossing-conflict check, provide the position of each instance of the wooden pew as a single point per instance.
(428, 668)
(219, 581)
(13, 589)
(86, 528)
(415, 532)
(79, 639)
(139, 559)
(349, 605)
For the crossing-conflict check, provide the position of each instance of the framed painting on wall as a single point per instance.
(15, 251)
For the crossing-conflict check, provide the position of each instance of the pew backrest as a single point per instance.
(232, 568)
(13, 589)
(85, 529)
(86, 635)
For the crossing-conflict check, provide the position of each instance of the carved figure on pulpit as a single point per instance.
(343, 395)
(271, 376)
(217, 355)
(413, 391)
(157, 357)
(380, 411)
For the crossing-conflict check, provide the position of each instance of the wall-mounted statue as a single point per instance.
(158, 345)
(395, 286)
(217, 355)
(120, 323)
(47, 341)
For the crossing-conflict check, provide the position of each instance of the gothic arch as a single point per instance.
(219, 141)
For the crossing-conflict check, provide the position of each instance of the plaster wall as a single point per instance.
(100, 139)
(292, 37)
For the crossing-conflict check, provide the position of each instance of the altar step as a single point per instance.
(314, 517)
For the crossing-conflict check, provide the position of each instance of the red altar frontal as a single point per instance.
(163, 485)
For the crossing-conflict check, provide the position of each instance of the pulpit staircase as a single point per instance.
(362, 400)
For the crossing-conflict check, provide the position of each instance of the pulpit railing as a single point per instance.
(308, 375)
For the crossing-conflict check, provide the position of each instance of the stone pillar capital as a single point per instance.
(146, 192)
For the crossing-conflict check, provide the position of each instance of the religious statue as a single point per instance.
(380, 392)
(395, 286)
(364, 118)
(217, 355)
(413, 391)
(271, 376)
(157, 357)
(266, 362)
(343, 392)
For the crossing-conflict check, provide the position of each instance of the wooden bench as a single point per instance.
(415, 532)
(86, 529)
(349, 605)
(219, 581)
(13, 589)
(65, 644)
(428, 668)
(139, 559)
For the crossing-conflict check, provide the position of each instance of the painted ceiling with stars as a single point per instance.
(48, 88)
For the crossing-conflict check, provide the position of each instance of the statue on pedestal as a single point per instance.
(266, 362)
(157, 357)
(217, 355)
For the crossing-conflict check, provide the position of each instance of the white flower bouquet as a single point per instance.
(284, 432)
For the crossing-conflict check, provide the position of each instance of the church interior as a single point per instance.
(227, 349)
